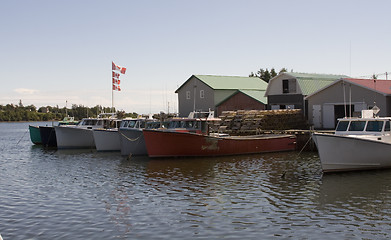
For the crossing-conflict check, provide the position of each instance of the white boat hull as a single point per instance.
(106, 140)
(74, 137)
(132, 142)
(347, 153)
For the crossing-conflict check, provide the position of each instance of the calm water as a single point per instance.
(49, 194)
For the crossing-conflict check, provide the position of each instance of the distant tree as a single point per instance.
(265, 75)
(283, 70)
(273, 73)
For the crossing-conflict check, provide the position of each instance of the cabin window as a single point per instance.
(387, 127)
(202, 94)
(374, 126)
(124, 124)
(131, 124)
(342, 126)
(187, 94)
(356, 126)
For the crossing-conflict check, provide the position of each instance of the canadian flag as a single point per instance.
(116, 81)
(116, 87)
(115, 67)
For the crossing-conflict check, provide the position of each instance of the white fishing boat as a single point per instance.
(131, 135)
(107, 139)
(358, 144)
(81, 135)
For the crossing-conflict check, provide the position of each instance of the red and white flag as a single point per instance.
(115, 67)
(115, 87)
(116, 81)
(116, 75)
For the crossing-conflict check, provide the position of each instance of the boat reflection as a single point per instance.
(355, 190)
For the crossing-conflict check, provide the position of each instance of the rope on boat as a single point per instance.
(130, 139)
(22, 136)
(309, 139)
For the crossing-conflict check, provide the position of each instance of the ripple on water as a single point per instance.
(82, 194)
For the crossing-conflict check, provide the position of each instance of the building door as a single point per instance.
(316, 116)
(328, 116)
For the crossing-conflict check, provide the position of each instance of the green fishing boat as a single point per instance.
(35, 134)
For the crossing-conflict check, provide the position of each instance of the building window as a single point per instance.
(289, 86)
(187, 94)
(285, 86)
(202, 94)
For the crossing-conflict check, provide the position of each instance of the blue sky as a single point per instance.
(57, 51)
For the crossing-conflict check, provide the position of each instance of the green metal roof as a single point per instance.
(258, 95)
(311, 82)
(230, 82)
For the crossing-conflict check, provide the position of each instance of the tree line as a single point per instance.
(266, 75)
(12, 113)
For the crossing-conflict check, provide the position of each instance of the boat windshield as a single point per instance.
(152, 125)
(174, 124)
(128, 123)
(89, 122)
(357, 126)
(342, 125)
(374, 126)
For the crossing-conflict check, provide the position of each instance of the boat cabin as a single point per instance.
(104, 120)
(139, 123)
(367, 125)
(188, 125)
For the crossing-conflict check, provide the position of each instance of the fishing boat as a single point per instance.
(81, 135)
(162, 143)
(131, 135)
(107, 139)
(48, 134)
(35, 134)
(359, 143)
(192, 137)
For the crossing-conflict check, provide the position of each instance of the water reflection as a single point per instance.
(59, 194)
(358, 189)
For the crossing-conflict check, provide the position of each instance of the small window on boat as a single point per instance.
(387, 127)
(342, 125)
(124, 124)
(356, 125)
(374, 126)
(131, 124)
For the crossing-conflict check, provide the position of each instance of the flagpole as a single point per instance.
(112, 92)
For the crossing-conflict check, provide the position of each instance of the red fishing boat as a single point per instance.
(165, 143)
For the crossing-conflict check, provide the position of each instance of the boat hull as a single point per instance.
(48, 136)
(132, 142)
(73, 137)
(106, 140)
(35, 134)
(344, 153)
(181, 144)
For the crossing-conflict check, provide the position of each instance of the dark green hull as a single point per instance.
(35, 134)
